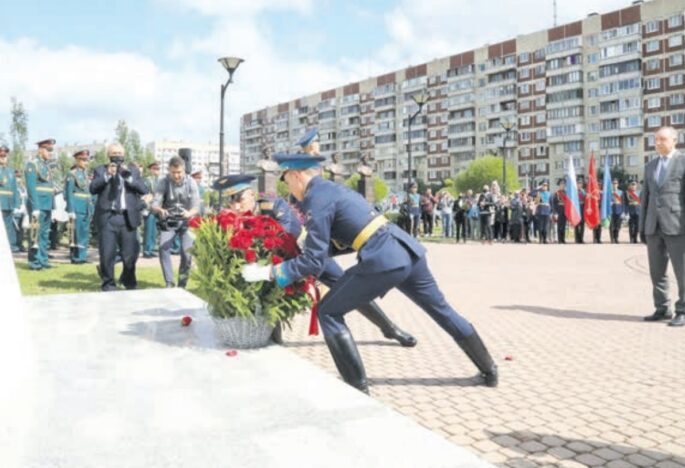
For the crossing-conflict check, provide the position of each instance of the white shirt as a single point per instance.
(122, 200)
(662, 165)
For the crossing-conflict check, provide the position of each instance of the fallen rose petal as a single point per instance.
(508, 358)
(185, 321)
(231, 353)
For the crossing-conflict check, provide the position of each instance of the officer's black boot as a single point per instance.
(375, 315)
(347, 359)
(277, 335)
(476, 351)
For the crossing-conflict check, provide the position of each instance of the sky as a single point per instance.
(79, 66)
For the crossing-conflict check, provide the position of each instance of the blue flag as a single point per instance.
(607, 189)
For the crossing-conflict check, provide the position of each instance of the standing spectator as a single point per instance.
(579, 230)
(501, 219)
(597, 231)
(177, 199)
(559, 210)
(486, 206)
(474, 221)
(617, 204)
(445, 206)
(662, 220)
(9, 198)
(633, 206)
(516, 220)
(149, 218)
(428, 202)
(460, 210)
(414, 205)
(118, 215)
(543, 211)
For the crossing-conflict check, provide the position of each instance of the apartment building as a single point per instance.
(205, 157)
(599, 85)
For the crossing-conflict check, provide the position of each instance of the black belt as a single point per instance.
(118, 212)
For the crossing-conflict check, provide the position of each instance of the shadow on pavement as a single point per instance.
(305, 344)
(428, 381)
(570, 314)
(525, 442)
(171, 333)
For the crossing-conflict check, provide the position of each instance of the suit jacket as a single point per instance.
(663, 204)
(105, 190)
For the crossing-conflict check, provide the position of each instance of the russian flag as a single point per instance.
(607, 191)
(572, 205)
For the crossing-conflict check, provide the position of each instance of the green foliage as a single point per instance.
(221, 285)
(282, 189)
(380, 188)
(19, 134)
(99, 158)
(483, 171)
(130, 140)
(617, 172)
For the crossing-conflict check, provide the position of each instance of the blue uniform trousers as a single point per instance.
(414, 280)
(38, 258)
(150, 235)
(79, 254)
(8, 218)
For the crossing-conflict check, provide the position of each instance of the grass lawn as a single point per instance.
(67, 279)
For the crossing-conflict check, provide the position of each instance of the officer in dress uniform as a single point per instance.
(150, 218)
(20, 216)
(617, 208)
(197, 177)
(242, 200)
(542, 211)
(79, 206)
(10, 200)
(388, 258)
(41, 198)
(559, 210)
(633, 205)
(579, 230)
(597, 231)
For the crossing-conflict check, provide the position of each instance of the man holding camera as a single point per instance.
(117, 214)
(177, 199)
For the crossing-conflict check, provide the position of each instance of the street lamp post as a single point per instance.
(420, 100)
(231, 65)
(508, 126)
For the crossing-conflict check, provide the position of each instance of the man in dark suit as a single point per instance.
(117, 214)
(662, 221)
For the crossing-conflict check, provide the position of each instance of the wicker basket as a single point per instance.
(243, 332)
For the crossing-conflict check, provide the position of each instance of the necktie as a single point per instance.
(116, 189)
(662, 171)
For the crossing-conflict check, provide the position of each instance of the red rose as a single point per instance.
(289, 290)
(289, 245)
(226, 219)
(250, 256)
(272, 243)
(185, 321)
(275, 259)
(195, 222)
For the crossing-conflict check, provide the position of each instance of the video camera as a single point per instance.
(174, 218)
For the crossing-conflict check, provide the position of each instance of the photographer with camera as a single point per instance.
(177, 199)
(117, 216)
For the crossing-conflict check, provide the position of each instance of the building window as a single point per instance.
(654, 121)
(678, 119)
(653, 83)
(653, 103)
(653, 64)
(675, 60)
(675, 41)
(652, 26)
(524, 57)
(652, 46)
(675, 21)
(593, 58)
(632, 160)
(525, 136)
(676, 99)
(675, 80)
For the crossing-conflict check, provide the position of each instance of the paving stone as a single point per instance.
(561, 452)
(589, 459)
(579, 447)
(607, 454)
(532, 446)
(640, 460)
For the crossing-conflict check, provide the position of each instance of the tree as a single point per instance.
(99, 158)
(380, 188)
(617, 172)
(130, 140)
(19, 133)
(483, 171)
(64, 164)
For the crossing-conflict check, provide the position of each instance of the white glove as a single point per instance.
(17, 211)
(35, 213)
(253, 273)
(72, 215)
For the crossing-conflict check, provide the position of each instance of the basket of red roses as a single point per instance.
(245, 313)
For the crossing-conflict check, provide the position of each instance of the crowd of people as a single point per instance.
(538, 215)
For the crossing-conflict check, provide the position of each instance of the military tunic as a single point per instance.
(79, 202)
(10, 200)
(41, 196)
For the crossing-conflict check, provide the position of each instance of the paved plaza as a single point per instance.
(584, 381)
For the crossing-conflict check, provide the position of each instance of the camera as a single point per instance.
(174, 218)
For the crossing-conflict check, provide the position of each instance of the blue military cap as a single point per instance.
(298, 161)
(48, 141)
(82, 152)
(308, 137)
(233, 184)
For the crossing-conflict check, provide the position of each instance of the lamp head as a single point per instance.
(230, 63)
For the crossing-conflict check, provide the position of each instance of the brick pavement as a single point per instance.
(589, 383)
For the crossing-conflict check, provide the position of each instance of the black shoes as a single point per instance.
(375, 315)
(277, 335)
(657, 316)
(678, 321)
(347, 359)
(475, 349)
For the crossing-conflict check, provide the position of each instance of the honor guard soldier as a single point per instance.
(310, 142)
(79, 207)
(633, 205)
(10, 200)
(579, 230)
(149, 218)
(242, 200)
(41, 197)
(542, 211)
(388, 257)
(617, 208)
(559, 210)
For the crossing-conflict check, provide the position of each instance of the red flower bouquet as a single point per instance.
(223, 245)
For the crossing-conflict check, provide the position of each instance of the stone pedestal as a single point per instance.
(365, 187)
(267, 182)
